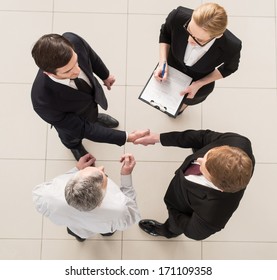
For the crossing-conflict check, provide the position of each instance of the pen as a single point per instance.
(163, 71)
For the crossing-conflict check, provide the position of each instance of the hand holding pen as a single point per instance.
(160, 73)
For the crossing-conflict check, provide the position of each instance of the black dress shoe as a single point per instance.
(149, 226)
(107, 121)
(108, 234)
(79, 151)
(80, 239)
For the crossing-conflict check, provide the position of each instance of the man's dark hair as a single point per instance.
(52, 51)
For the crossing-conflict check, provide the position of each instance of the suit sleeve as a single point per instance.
(232, 56)
(80, 128)
(98, 66)
(190, 138)
(165, 31)
(175, 19)
(198, 139)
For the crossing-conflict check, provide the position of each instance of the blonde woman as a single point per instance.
(198, 44)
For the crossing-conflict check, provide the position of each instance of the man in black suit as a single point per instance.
(200, 202)
(198, 44)
(66, 94)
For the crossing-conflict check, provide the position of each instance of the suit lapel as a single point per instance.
(200, 153)
(67, 93)
(181, 46)
(99, 96)
(213, 54)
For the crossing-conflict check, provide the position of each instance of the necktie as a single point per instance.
(193, 169)
(82, 85)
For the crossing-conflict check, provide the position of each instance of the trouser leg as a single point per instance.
(80, 239)
(168, 229)
(68, 141)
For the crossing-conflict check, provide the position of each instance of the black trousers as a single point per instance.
(68, 140)
(198, 230)
(167, 231)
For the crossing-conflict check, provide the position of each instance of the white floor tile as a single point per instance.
(88, 6)
(74, 250)
(16, 51)
(159, 6)
(19, 249)
(248, 8)
(239, 251)
(26, 5)
(25, 133)
(17, 210)
(256, 55)
(250, 112)
(161, 250)
(143, 47)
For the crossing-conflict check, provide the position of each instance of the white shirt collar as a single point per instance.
(201, 179)
(68, 82)
(194, 52)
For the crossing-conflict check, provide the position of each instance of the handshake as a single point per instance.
(143, 137)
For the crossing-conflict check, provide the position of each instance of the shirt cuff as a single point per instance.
(126, 180)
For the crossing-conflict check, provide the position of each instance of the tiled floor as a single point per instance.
(125, 34)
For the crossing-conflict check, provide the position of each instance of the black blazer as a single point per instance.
(60, 105)
(225, 52)
(198, 210)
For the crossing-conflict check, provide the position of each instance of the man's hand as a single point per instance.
(149, 139)
(137, 134)
(128, 164)
(109, 82)
(85, 161)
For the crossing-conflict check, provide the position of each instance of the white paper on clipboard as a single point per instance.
(165, 95)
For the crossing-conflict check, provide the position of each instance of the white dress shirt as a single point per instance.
(117, 211)
(194, 52)
(201, 180)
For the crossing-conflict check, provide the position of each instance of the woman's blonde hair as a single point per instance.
(212, 18)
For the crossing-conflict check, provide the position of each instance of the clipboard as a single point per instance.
(165, 96)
